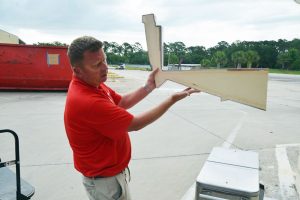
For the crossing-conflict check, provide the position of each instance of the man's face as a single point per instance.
(94, 68)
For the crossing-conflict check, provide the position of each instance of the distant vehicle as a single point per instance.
(121, 66)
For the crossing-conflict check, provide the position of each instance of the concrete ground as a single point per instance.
(168, 154)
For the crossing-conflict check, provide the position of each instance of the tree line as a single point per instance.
(280, 54)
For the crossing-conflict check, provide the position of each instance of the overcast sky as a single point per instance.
(194, 22)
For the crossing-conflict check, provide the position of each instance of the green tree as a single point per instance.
(173, 59)
(137, 47)
(220, 58)
(178, 49)
(113, 53)
(127, 51)
(114, 48)
(287, 58)
(106, 46)
(205, 63)
(268, 53)
(166, 54)
(221, 46)
(251, 57)
(294, 55)
(283, 59)
(55, 43)
(272, 54)
(195, 54)
(140, 57)
(295, 43)
(281, 45)
(296, 65)
(238, 58)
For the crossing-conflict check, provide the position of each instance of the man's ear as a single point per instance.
(77, 70)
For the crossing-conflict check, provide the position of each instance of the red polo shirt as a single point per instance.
(97, 129)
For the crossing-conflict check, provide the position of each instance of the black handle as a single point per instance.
(17, 155)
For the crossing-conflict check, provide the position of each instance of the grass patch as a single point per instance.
(137, 68)
(284, 71)
(113, 76)
(131, 68)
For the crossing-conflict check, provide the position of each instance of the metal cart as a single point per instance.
(12, 187)
(230, 174)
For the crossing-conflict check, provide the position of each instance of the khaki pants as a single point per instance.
(109, 188)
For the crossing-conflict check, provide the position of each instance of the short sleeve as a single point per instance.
(116, 97)
(109, 119)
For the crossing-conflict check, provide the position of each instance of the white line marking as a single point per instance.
(288, 145)
(190, 194)
(231, 137)
(285, 174)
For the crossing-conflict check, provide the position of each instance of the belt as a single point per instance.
(98, 177)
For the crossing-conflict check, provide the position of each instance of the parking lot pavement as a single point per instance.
(168, 154)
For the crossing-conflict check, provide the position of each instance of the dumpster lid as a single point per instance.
(231, 171)
(229, 178)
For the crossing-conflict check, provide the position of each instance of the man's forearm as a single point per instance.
(146, 118)
(131, 99)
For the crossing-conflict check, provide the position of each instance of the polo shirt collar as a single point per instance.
(78, 80)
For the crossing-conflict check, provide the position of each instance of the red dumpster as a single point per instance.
(30, 67)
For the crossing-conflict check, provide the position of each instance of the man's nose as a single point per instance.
(105, 66)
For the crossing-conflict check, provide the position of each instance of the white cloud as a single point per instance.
(195, 22)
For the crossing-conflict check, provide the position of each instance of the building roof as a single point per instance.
(20, 41)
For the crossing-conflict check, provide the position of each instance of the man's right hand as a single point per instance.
(181, 95)
(142, 120)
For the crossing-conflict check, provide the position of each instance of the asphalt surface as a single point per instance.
(168, 154)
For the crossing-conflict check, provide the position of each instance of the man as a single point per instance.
(97, 123)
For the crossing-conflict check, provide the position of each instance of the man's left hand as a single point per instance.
(150, 84)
